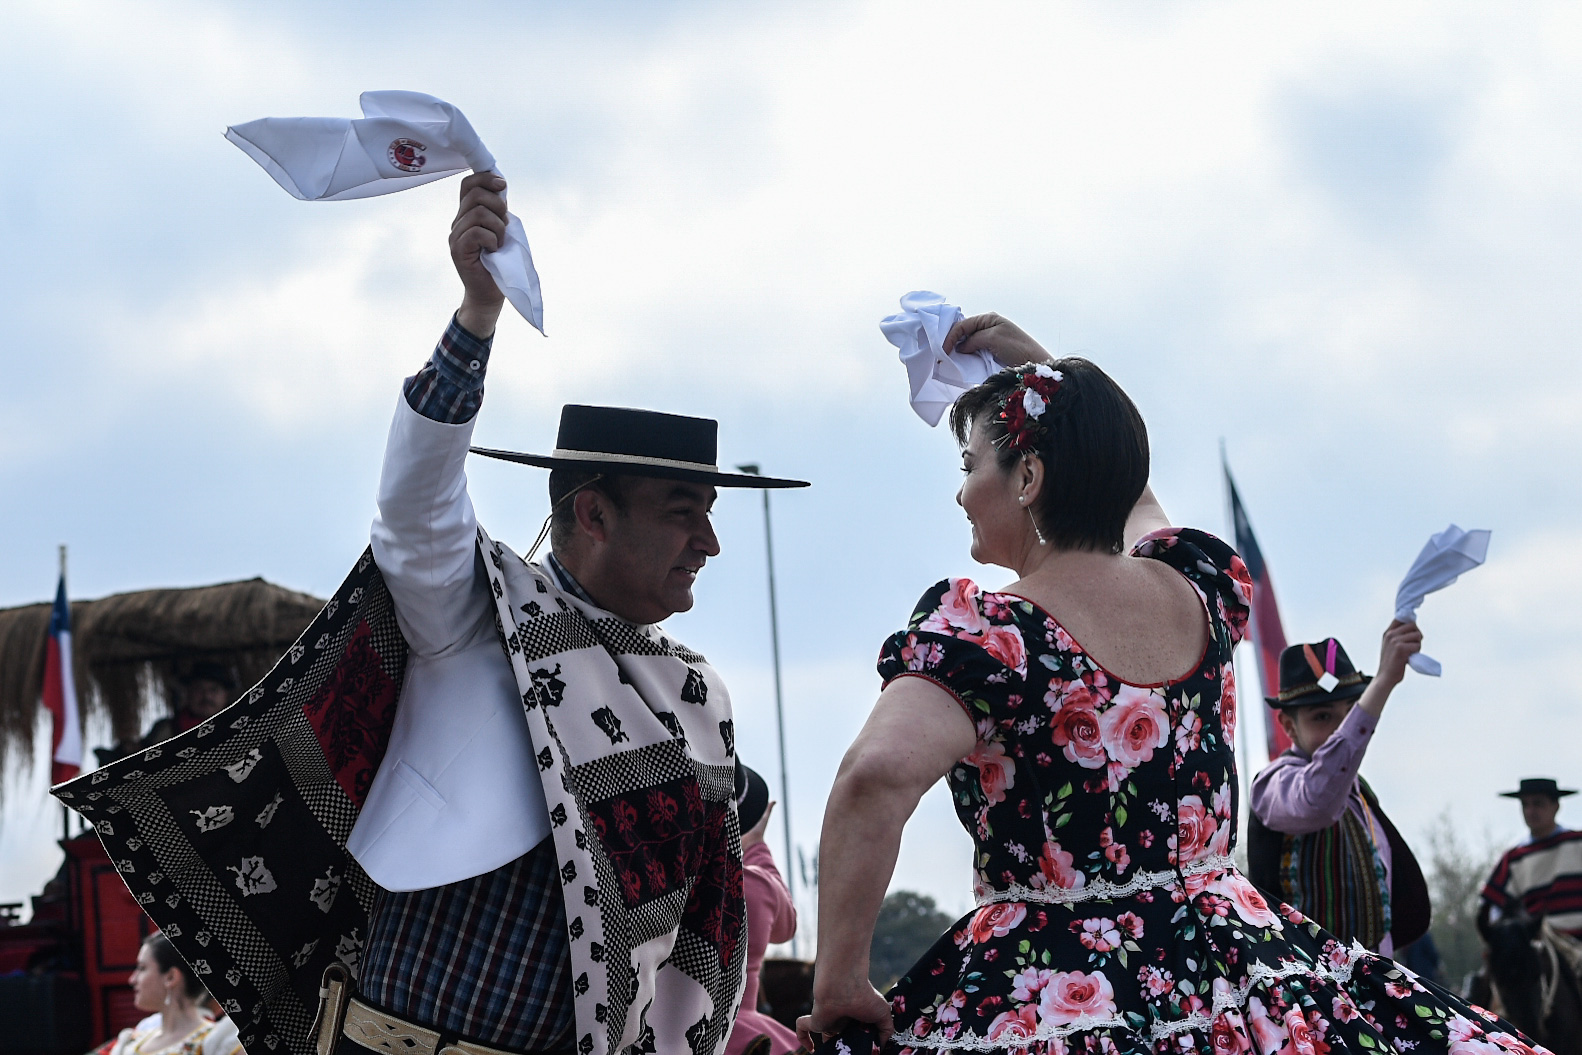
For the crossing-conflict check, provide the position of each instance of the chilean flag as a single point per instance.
(1268, 635)
(60, 693)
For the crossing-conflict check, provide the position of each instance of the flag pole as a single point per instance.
(1245, 759)
(65, 811)
(780, 717)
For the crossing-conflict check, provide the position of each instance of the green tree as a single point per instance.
(908, 924)
(1456, 871)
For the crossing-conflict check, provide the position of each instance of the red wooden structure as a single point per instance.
(111, 927)
(70, 963)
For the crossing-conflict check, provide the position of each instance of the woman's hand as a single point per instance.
(998, 336)
(834, 1007)
(755, 834)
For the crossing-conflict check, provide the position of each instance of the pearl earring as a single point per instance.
(1039, 534)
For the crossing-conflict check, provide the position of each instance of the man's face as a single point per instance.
(655, 544)
(1539, 812)
(1309, 727)
(204, 698)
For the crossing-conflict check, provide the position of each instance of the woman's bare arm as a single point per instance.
(1000, 337)
(916, 733)
(1146, 516)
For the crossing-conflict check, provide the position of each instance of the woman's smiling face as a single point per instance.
(988, 495)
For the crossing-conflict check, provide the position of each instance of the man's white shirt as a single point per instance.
(458, 793)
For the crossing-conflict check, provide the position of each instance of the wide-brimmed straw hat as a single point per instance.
(622, 441)
(1317, 673)
(1539, 786)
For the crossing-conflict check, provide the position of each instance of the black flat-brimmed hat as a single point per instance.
(1539, 786)
(1317, 673)
(752, 797)
(619, 440)
(209, 670)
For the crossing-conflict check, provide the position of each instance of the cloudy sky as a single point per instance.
(1343, 238)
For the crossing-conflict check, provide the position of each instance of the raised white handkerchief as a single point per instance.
(937, 379)
(1441, 563)
(403, 140)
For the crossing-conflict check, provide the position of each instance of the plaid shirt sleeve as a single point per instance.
(449, 388)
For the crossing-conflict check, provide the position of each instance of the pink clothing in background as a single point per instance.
(1297, 795)
(771, 918)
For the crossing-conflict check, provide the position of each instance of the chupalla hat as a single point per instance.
(1317, 673)
(1539, 786)
(752, 797)
(619, 440)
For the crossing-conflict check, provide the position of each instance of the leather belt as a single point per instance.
(343, 1015)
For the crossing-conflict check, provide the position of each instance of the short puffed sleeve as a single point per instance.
(969, 646)
(1214, 568)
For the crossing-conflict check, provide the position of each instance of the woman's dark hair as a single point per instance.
(166, 956)
(1094, 446)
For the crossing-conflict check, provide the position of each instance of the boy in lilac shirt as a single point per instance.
(1317, 838)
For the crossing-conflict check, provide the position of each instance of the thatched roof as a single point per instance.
(129, 643)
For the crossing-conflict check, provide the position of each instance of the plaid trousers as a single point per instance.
(486, 957)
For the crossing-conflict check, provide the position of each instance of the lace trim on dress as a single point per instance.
(970, 1041)
(1257, 974)
(1224, 1000)
(1103, 889)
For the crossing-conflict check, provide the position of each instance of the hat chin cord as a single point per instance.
(543, 532)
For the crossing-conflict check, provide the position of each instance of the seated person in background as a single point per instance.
(206, 689)
(1543, 875)
(1317, 838)
(162, 982)
(771, 918)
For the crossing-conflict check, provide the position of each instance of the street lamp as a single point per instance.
(780, 717)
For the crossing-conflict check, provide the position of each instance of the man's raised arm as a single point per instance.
(424, 534)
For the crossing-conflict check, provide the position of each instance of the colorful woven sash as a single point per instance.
(1336, 876)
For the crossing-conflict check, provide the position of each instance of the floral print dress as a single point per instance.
(1111, 918)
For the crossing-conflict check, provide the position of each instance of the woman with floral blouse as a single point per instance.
(1084, 717)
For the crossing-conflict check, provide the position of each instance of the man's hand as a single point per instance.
(479, 228)
(1401, 642)
(998, 336)
(755, 834)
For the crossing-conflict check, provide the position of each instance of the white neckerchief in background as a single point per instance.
(937, 379)
(403, 140)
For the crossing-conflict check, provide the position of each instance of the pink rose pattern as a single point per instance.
(1078, 779)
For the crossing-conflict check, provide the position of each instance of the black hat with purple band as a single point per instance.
(626, 442)
(1317, 673)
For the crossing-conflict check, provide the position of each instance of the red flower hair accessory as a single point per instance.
(1025, 405)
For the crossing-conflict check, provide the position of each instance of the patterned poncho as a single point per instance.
(232, 836)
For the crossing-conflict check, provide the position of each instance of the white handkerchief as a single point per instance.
(404, 140)
(937, 379)
(1442, 561)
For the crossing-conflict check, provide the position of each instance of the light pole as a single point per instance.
(780, 715)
